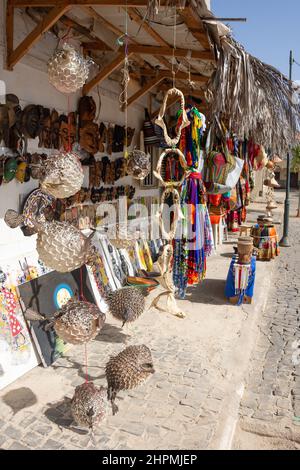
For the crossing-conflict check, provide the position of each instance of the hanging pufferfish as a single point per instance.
(194, 241)
(60, 245)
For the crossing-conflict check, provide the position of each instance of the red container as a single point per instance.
(215, 199)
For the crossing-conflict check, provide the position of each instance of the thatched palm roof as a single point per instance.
(254, 98)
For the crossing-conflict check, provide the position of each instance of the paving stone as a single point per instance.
(18, 446)
(12, 432)
(137, 429)
(52, 445)
(32, 439)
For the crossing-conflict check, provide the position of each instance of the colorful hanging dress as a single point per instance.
(194, 241)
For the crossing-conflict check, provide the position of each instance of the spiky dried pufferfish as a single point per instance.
(130, 368)
(38, 205)
(76, 322)
(89, 405)
(127, 304)
(60, 245)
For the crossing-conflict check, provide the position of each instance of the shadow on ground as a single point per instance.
(60, 414)
(77, 366)
(211, 291)
(19, 398)
(112, 334)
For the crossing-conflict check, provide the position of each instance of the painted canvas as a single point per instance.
(17, 353)
(45, 295)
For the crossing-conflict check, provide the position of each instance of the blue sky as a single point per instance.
(271, 31)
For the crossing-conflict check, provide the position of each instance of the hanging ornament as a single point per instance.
(138, 164)
(127, 304)
(76, 322)
(68, 70)
(171, 142)
(130, 368)
(60, 245)
(89, 405)
(79, 322)
(61, 175)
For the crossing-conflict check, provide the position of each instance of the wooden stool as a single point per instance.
(244, 229)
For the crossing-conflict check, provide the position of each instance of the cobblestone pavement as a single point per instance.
(180, 407)
(270, 407)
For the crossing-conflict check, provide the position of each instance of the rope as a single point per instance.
(86, 363)
(174, 47)
(123, 97)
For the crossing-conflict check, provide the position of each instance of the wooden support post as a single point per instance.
(104, 73)
(48, 21)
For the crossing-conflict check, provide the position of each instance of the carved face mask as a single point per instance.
(4, 124)
(21, 172)
(67, 133)
(86, 109)
(54, 129)
(10, 168)
(45, 133)
(89, 137)
(31, 121)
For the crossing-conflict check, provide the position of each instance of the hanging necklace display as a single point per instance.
(68, 70)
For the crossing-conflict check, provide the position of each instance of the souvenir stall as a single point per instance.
(128, 113)
(71, 149)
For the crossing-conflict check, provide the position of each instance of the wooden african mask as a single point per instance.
(102, 137)
(31, 120)
(54, 117)
(45, 130)
(4, 124)
(86, 109)
(89, 137)
(67, 131)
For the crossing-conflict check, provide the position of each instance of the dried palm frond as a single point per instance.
(254, 98)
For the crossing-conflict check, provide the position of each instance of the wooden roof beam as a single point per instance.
(114, 29)
(159, 50)
(134, 15)
(103, 73)
(47, 22)
(170, 103)
(9, 31)
(179, 75)
(196, 27)
(51, 3)
(147, 87)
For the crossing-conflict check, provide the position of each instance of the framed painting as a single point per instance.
(45, 295)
